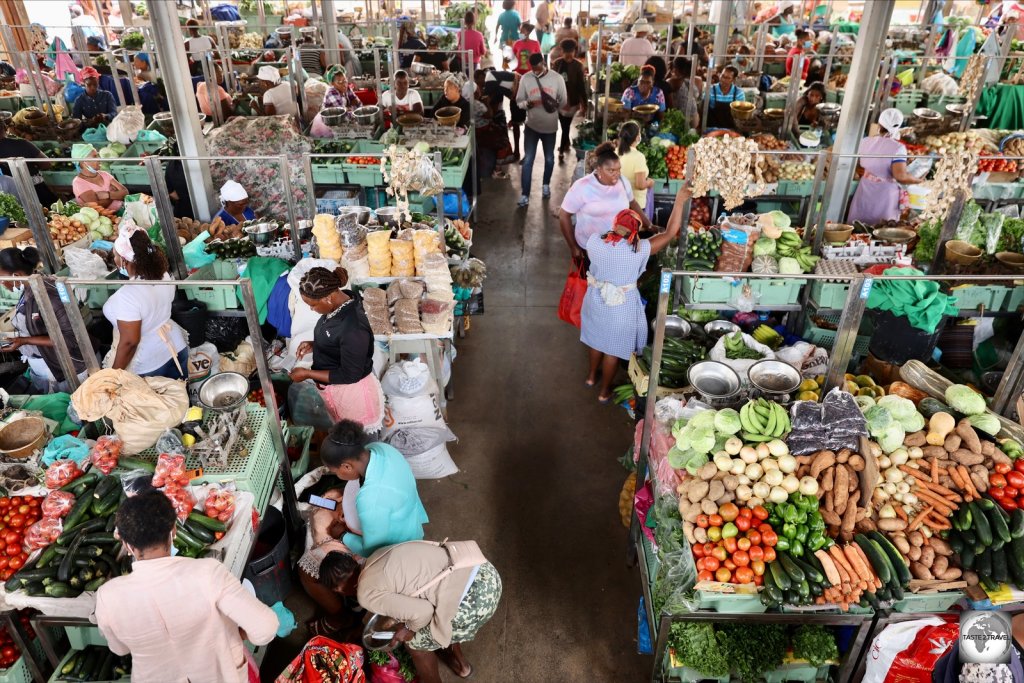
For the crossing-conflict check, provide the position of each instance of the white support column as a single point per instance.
(331, 30)
(184, 108)
(723, 29)
(854, 117)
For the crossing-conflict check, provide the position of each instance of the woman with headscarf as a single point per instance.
(234, 202)
(146, 341)
(93, 185)
(342, 349)
(144, 68)
(340, 94)
(277, 95)
(613, 324)
(452, 97)
(879, 195)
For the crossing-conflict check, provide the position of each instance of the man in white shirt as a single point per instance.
(636, 50)
(277, 96)
(402, 96)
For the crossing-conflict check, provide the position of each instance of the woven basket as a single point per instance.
(22, 438)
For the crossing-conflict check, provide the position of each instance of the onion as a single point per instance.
(723, 462)
(761, 489)
(778, 495)
(900, 456)
(788, 464)
(753, 471)
(743, 493)
(791, 484)
(748, 454)
(733, 445)
(774, 477)
(894, 475)
(737, 467)
(762, 451)
(809, 486)
(778, 447)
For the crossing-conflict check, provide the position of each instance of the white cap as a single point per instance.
(891, 119)
(641, 27)
(269, 73)
(232, 191)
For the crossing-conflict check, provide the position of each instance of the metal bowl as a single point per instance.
(828, 108)
(362, 213)
(646, 109)
(774, 377)
(368, 115)
(838, 232)
(224, 391)
(421, 68)
(720, 328)
(388, 215)
(333, 116)
(263, 233)
(713, 380)
(894, 235)
(676, 327)
(373, 627)
(774, 113)
(962, 253)
(927, 114)
(303, 229)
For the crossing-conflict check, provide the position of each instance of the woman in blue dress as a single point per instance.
(234, 201)
(613, 324)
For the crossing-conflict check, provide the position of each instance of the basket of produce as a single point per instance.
(22, 438)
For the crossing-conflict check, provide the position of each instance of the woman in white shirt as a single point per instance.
(277, 96)
(146, 341)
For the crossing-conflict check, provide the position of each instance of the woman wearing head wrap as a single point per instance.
(879, 195)
(146, 341)
(234, 202)
(340, 93)
(453, 98)
(94, 106)
(277, 96)
(93, 185)
(342, 350)
(613, 324)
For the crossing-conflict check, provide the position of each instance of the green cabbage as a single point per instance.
(781, 219)
(727, 421)
(898, 406)
(986, 422)
(965, 400)
(705, 418)
(789, 266)
(913, 423)
(702, 439)
(764, 246)
(891, 438)
(878, 419)
(864, 402)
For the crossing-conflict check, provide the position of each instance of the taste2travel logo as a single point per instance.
(985, 637)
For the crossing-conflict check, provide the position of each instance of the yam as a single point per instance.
(915, 439)
(919, 571)
(968, 457)
(980, 481)
(901, 543)
(827, 480)
(914, 554)
(952, 574)
(709, 507)
(688, 529)
(866, 524)
(927, 556)
(862, 513)
(968, 436)
(892, 524)
(940, 564)
(850, 515)
(952, 443)
(854, 482)
(716, 490)
(937, 452)
(941, 547)
(698, 491)
(843, 455)
(822, 460)
(998, 457)
(856, 463)
(830, 504)
(707, 472)
(916, 538)
(841, 489)
(830, 517)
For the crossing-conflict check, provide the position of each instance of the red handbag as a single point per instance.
(575, 289)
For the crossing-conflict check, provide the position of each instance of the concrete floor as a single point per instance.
(539, 481)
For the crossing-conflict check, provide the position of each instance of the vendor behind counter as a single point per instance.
(234, 201)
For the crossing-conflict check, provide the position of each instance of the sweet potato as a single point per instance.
(701, 535)
(841, 489)
(828, 479)
(952, 443)
(843, 455)
(937, 452)
(866, 524)
(822, 460)
(916, 538)
(998, 457)
(966, 457)
(915, 439)
(951, 574)
(856, 463)
(688, 531)
(919, 571)
(850, 515)
(830, 517)
(927, 556)
(968, 436)
(970, 577)
(892, 524)
(980, 481)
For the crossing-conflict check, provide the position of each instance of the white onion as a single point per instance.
(737, 467)
(884, 462)
(774, 477)
(900, 456)
(778, 447)
(733, 445)
(788, 464)
(754, 471)
(762, 489)
(894, 475)
(748, 454)
(762, 451)
(809, 486)
(778, 495)
(743, 493)
(791, 484)
(723, 462)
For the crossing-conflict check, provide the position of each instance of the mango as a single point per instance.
(807, 396)
(808, 385)
(864, 381)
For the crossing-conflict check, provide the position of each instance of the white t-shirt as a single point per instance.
(197, 45)
(281, 97)
(152, 306)
(635, 51)
(411, 99)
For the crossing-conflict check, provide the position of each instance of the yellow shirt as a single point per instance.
(633, 162)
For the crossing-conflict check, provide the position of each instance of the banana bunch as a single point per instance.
(737, 349)
(788, 244)
(767, 336)
(763, 420)
(1011, 448)
(806, 259)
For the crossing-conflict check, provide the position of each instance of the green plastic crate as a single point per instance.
(782, 292)
(907, 100)
(328, 173)
(927, 602)
(371, 146)
(8, 299)
(797, 671)
(733, 603)
(57, 677)
(829, 294)
(81, 637)
(1016, 298)
(59, 178)
(300, 466)
(974, 297)
(795, 188)
(363, 174)
(18, 672)
(14, 104)
(707, 290)
(454, 176)
(131, 174)
(826, 339)
(684, 674)
(215, 298)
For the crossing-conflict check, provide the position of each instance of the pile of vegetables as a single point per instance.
(747, 652)
(736, 552)
(736, 348)
(675, 158)
(677, 356)
(703, 248)
(800, 523)
(94, 663)
(796, 170)
(654, 153)
(707, 431)
(837, 476)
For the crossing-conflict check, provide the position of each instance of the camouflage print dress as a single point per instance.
(475, 610)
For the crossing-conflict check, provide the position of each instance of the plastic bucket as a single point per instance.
(191, 315)
(268, 568)
(897, 341)
(918, 196)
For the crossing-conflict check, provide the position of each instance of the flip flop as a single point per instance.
(588, 383)
(604, 401)
(469, 675)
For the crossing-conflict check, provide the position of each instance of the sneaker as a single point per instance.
(524, 200)
(545, 191)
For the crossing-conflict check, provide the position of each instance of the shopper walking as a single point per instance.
(879, 195)
(636, 50)
(180, 619)
(432, 606)
(576, 92)
(146, 340)
(613, 324)
(566, 32)
(523, 48)
(544, 15)
(594, 200)
(342, 349)
(472, 40)
(507, 26)
(541, 94)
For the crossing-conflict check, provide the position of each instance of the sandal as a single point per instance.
(604, 401)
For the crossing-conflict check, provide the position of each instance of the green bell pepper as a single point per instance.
(796, 548)
(789, 530)
(801, 533)
(818, 543)
(790, 513)
(806, 503)
(782, 544)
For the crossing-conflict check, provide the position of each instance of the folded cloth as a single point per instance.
(920, 301)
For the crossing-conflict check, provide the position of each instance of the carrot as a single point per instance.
(966, 476)
(858, 565)
(900, 512)
(843, 565)
(926, 483)
(935, 471)
(954, 474)
(919, 519)
(938, 502)
(831, 573)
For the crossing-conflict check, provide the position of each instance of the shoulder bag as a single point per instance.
(461, 555)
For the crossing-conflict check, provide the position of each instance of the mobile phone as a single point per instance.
(325, 503)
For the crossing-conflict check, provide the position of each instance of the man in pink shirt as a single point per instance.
(524, 47)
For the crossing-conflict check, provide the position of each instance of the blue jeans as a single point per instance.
(169, 369)
(530, 138)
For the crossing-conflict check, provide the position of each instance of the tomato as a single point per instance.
(9, 651)
(17, 521)
(729, 512)
(1019, 465)
(711, 564)
(1015, 479)
(755, 537)
(720, 554)
(723, 575)
(744, 575)
(997, 480)
(24, 508)
(700, 564)
(997, 491)
(702, 521)
(1004, 467)
(1011, 492)
(758, 580)
(756, 553)
(698, 550)
(729, 564)
(705, 576)
(12, 550)
(742, 523)
(764, 527)
(17, 563)
(1009, 504)
(741, 558)
(743, 544)
(747, 513)
(4, 560)
(769, 538)
(716, 520)
(760, 512)
(708, 549)
(11, 536)
(715, 533)
(758, 567)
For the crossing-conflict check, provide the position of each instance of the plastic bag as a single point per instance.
(170, 442)
(97, 134)
(307, 408)
(909, 650)
(147, 135)
(740, 365)
(85, 264)
(737, 247)
(106, 453)
(126, 126)
(42, 534)
(61, 473)
(170, 471)
(141, 211)
(195, 252)
(181, 499)
(387, 673)
(58, 504)
(220, 503)
(65, 447)
(137, 482)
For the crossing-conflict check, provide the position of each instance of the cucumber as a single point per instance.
(985, 503)
(135, 464)
(89, 551)
(779, 574)
(1017, 523)
(77, 513)
(998, 519)
(61, 590)
(64, 571)
(36, 589)
(980, 525)
(804, 589)
(956, 543)
(883, 594)
(200, 532)
(876, 558)
(969, 537)
(896, 590)
(82, 671)
(896, 561)
(211, 523)
(1017, 551)
(109, 503)
(111, 523)
(984, 563)
(796, 574)
(987, 583)
(82, 486)
(85, 479)
(872, 600)
(189, 539)
(967, 558)
(99, 538)
(997, 543)
(1000, 572)
(46, 557)
(963, 518)
(104, 486)
(70, 664)
(95, 584)
(106, 667)
(771, 588)
(810, 572)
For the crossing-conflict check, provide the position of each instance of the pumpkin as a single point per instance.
(764, 264)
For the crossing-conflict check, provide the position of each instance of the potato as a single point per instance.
(856, 463)
(916, 538)
(915, 439)
(892, 524)
(708, 507)
(716, 489)
(919, 571)
(707, 472)
(951, 574)
(941, 547)
(940, 565)
(952, 443)
(698, 490)
(901, 543)
(927, 555)
(970, 577)
(914, 554)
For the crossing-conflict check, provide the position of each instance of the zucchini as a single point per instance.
(1017, 552)
(108, 503)
(99, 537)
(82, 486)
(189, 539)
(981, 525)
(985, 503)
(80, 671)
(89, 550)
(87, 478)
(135, 464)
(896, 590)
(967, 558)
(64, 571)
(83, 562)
(796, 574)
(883, 594)
(779, 574)
(77, 514)
(36, 574)
(211, 523)
(111, 523)
(771, 588)
(984, 563)
(1017, 523)
(104, 486)
(810, 572)
(95, 584)
(35, 589)
(929, 406)
(804, 589)
(47, 556)
(876, 558)
(997, 517)
(970, 539)
(70, 664)
(956, 543)
(200, 532)
(896, 561)
(1000, 572)
(872, 600)
(963, 518)
(87, 527)
(997, 543)
(61, 590)
(106, 667)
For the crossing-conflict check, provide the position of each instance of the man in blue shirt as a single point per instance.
(94, 106)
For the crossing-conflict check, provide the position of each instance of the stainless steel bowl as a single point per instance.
(224, 391)
(333, 116)
(720, 328)
(774, 377)
(421, 69)
(374, 627)
(368, 115)
(927, 114)
(894, 235)
(303, 229)
(713, 380)
(388, 215)
(676, 327)
(362, 213)
(263, 233)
